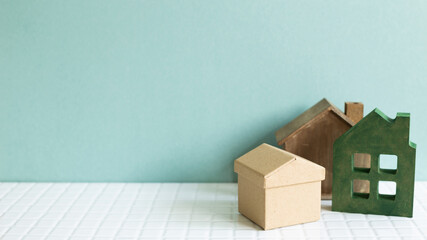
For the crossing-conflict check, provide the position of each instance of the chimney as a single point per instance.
(402, 122)
(354, 110)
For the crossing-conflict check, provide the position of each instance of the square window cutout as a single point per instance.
(361, 188)
(362, 162)
(388, 163)
(387, 189)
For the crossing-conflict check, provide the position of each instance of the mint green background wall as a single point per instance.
(176, 90)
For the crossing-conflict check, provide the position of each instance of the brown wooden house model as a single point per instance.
(312, 134)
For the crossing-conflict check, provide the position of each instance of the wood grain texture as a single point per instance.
(311, 135)
(375, 134)
(306, 117)
(361, 160)
(354, 110)
(315, 142)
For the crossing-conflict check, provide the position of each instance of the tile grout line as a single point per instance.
(171, 209)
(71, 205)
(151, 207)
(19, 198)
(10, 189)
(215, 200)
(52, 203)
(195, 202)
(89, 208)
(5, 194)
(109, 209)
(130, 208)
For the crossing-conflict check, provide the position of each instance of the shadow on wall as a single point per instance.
(280, 119)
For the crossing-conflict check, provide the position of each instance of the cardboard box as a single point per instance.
(277, 188)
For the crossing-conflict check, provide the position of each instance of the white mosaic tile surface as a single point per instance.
(174, 211)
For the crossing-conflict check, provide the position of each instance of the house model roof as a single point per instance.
(305, 118)
(398, 125)
(268, 167)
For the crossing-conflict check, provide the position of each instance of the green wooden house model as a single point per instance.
(388, 186)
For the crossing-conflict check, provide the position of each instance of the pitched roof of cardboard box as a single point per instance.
(306, 117)
(268, 167)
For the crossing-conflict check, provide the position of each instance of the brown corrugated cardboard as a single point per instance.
(277, 188)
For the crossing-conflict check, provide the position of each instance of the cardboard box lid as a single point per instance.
(267, 166)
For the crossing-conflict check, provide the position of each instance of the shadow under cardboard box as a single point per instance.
(217, 209)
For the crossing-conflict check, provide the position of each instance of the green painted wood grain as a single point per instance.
(375, 134)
